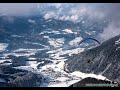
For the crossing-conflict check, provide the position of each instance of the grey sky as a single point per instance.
(17, 9)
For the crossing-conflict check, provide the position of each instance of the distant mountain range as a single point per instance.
(21, 32)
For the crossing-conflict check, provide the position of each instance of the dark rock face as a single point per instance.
(42, 64)
(11, 77)
(104, 60)
(19, 61)
(3, 84)
(93, 82)
(28, 80)
(8, 70)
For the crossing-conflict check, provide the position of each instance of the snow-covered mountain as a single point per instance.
(103, 60)
(42, 46)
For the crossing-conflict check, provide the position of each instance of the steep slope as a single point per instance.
(93, 82)
(103, 60)
(11, 77)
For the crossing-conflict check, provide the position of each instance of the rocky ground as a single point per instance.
(11, 77)
(93, 82)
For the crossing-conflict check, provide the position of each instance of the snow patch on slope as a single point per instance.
(85, 75)
(31, 21)
(46, 36)
(56, 42)
(75, 41)
(16, 35)
(118, 41)
(23, 52)
(68, 31)
(50, 32)
(57, 53)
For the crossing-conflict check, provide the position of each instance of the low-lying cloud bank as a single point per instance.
(69, 11)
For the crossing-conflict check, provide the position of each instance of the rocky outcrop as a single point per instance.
(93, 82)
(11, 77)
(28, 80)
(18, 61)
(104, 60)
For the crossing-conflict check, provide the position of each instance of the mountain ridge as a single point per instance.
(103, 60)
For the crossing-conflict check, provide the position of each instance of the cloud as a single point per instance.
(49, 15)
(69, 11)
(57, 5)
(111, 11)
(110, 31)
(74, 17)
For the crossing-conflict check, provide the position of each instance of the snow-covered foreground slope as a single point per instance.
(54, 71)
(60, 78)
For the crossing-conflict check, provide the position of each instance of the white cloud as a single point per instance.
(68, 11)
(110, 31)
(63, 11)
(62, 17)
(58, 5)
(49, 15)
(67, 18)
(78, 11)
(111, 11)
(74, 17)
(56, 42)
